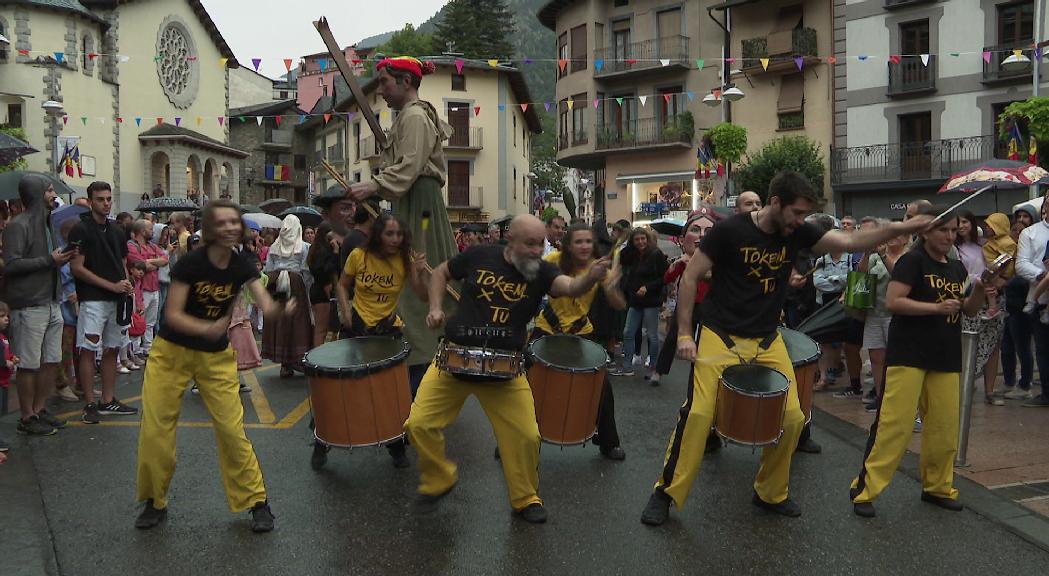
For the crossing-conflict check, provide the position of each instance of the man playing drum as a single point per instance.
(751, 257)
(503, 287)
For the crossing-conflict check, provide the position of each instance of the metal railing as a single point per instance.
(993, 70)
(803, 43)
(465, 196)
(468, 138)
(642, 55)
(639, 133)
(937, 159)
(911, 75)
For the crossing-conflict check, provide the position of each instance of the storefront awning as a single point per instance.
(656, 177)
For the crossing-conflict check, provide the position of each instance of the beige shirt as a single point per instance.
(414, 148)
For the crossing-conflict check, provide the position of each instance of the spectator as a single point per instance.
(555, 231)
(286, 340)
(31, 272)
(1030, 257)
(101, 286)
(643, 288)
(142, 249)
(1016, 344)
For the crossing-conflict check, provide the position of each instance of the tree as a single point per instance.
(19, 164)
(788, 153)
(482, 29)
(409, 42)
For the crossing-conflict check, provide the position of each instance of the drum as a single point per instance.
(804, 354)
(477, 361)
(566, 376)
(750, 404)
(359, 390)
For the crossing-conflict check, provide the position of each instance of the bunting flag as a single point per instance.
(287, 64)
(256, 62)
(459, 65)
(1032, 151)
(799, 61)
(599, 63)
(925, 59)
(562, 63)
(1014, 141)
(764, 63)
(493, 63)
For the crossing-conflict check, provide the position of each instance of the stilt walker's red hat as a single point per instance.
(408, 64)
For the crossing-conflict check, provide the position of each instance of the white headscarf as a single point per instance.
(289, 241)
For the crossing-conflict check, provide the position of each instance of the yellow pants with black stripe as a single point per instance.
(685, 452)
(935, 396)
(168, 373)
(511, 410)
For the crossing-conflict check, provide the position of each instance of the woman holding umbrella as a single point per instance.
(286, 340)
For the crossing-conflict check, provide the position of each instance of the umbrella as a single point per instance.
(12, 148)
(306, 215)
(275, 205)
(249, 209)
(64, 213)
(167, 204)
(263, 220)
(1002, 174)
(668, 226)
(9, 184)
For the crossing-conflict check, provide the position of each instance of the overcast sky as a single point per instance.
(277, 29)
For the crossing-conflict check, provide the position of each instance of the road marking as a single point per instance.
(258, 400)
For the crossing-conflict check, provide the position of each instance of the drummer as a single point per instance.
(375, 274)
(572, 315)
(750, 256)
(503, 286)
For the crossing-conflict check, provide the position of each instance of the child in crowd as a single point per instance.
(1036, 297)
(7, 366)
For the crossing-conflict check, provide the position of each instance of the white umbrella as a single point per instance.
(263, 220)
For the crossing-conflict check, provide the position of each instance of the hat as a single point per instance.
(407, 64)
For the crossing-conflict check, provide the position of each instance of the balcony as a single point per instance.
(803, 43)
(910, 76)
(465, 197)
(993, 72)
(369, 149)
(468, 139)
(891, 4)
(642, 133)
(644, 56)
(279, 140)
(933, 160)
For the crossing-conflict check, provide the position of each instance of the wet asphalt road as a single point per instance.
(357, 517)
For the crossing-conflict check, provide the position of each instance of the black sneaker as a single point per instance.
(657, 510)
(785, 508)
(945, 503)
(34, 426)
(115, 408)
(90, 415)
(533, 513)
(51, 419)
(320, 455)
(150, 516)
(261, 517)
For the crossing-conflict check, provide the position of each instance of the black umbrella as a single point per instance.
(12, 148)
(275, 205)
(167, 204)
(9, 184)
(307, 216)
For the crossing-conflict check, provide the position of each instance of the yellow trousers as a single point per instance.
(685, 452)
(511, 410)
(168, 373)
(935, 396)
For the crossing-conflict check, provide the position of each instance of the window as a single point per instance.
(562, 53)
(458, 82)
(579, 48)
(1015, 22)
(14, 116)
(791, 105)
(579, 103)
(459, 117)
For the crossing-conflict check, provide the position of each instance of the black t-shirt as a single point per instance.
(212, 292)
(751, 274)
(106, 263)
(929, 342)
(497, 301)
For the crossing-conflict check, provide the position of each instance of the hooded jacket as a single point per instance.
(30, 272)
(1000, 242)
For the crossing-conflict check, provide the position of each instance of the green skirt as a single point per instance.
(438, 243)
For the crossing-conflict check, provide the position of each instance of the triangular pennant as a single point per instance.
(764, 63)
(160, 120)
(200, 119)
(599, 63)
(477, 110)
(255, 62)
(894, 58)
(925, 59)
(258, 120)
(328, 117)
(643, 99)
(59, 57)
(222, 62)
(287, 64)
(619, 101)
(277, 120)
(178, 120)
(666, 97)
(138, 121)
(987, 56)
(459, 65)
(91, 55)
(83, 120)
(799, 61)
(493, 63)
(596, 102)
(664, 61)
(524, 107)
(699, 64)
(570, 103)
(222, 120)
(832, 59)
(562, 63)
(547, 105)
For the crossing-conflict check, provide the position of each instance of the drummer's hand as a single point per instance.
(948, 307)
(686, 348)
(599, 269)
(217, 329)
(435, 319)
(361, 191)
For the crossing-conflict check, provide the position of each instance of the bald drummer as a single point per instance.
(502, 288)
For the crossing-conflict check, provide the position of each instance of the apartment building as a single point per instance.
(924, 100)
(493, 118)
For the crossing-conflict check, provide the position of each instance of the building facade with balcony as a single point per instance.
(925, 102)
(493, 119)
(275, 168)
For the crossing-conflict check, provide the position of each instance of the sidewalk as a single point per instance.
(1007, 452)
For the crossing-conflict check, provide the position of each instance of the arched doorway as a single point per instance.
(160, 172)
(210, 179)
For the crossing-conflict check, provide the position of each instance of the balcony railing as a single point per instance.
(993, 71)
(471, 138)
(281, 138)
(644, 55)
(933, 160)
(369, 149)
(465, 196)
(803, 43)
(641, 133)
(911, 76)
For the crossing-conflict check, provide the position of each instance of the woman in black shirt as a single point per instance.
(193, 345)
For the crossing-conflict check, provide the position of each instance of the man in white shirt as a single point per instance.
(1030, 264)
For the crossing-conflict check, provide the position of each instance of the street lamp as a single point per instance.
(53, 109)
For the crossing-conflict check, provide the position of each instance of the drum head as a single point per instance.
(755, 379)
(568, 353)
(801, 349)
(354, 357)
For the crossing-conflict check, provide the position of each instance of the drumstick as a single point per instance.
(963, 201)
